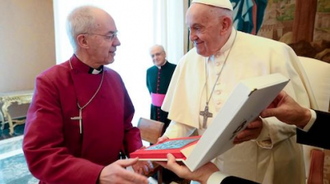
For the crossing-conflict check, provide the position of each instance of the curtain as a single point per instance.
(170, 28)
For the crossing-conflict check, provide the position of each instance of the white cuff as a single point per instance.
(216, 177)
(311, 121)
(264, 140)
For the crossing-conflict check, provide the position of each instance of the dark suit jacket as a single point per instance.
(318, 133)
(235, 180)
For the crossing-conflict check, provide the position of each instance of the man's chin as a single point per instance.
(109, 61)
(201, 53)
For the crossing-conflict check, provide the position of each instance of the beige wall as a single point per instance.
(27, 42)
(27, 45)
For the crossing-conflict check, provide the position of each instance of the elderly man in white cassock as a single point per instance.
(208, 73)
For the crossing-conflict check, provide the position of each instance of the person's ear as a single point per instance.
(82, 41)
(226, 25)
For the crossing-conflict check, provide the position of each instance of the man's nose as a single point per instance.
(192, 36)
(116, 41)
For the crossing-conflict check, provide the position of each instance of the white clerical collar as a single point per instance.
(159, 67)
(95, 71)
(227, 45)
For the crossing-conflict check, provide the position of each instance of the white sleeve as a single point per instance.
(311, 121)
(273, 132)
(216, 177)
(176, 130)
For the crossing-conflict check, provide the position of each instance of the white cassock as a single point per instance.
(274, 157)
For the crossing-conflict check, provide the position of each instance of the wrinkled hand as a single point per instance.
(143, 167)
(202, 174)
(116, 173)
(251, 131)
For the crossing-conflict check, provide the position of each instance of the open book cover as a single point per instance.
(244, 105)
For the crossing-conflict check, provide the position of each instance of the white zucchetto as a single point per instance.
(217, 3)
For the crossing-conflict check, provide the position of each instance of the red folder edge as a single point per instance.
(161, 154)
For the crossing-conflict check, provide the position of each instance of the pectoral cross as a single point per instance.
(206, 114)
(80, 120)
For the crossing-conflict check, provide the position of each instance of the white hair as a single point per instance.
(159, 46)
(80, 20)
(228, 13)
(223, 12)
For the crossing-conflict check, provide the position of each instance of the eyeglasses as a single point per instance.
(109, 37)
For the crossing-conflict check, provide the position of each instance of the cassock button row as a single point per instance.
(218, 92)
(218, 103)
(217, 63)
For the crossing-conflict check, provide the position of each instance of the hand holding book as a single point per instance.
(251, 131)
(201, 175)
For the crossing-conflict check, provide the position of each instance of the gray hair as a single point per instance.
(80, 20)
(159, 46)
(220, 12)
(227, 13)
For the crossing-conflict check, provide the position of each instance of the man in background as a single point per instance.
(158, 80)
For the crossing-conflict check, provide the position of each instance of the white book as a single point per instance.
(249, 98)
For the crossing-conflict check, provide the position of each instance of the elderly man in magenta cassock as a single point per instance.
(80, 117)
(158, 79)
(208, 73)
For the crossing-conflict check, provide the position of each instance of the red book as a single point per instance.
(179, 148)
